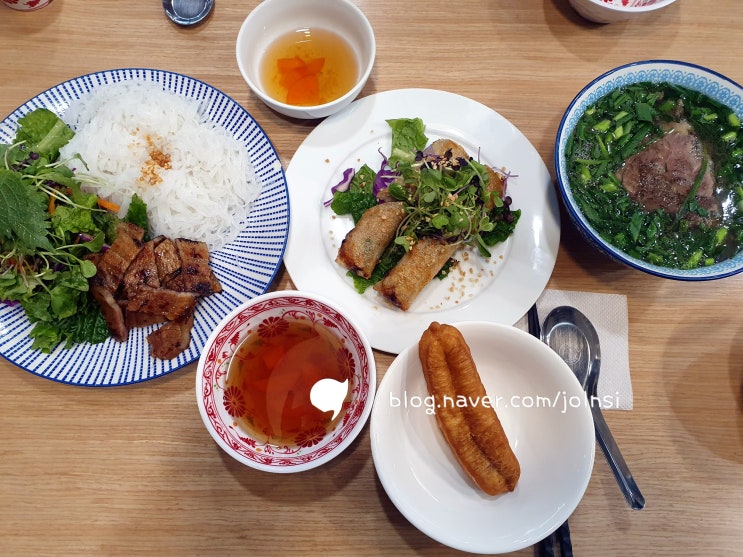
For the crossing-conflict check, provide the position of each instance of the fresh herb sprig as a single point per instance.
(48, 225)
(448, 198)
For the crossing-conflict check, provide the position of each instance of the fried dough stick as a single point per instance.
(364, 245)
(487, 431)
(473, 432)
(415, 270)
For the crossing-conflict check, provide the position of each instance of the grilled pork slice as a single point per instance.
(112, 312)
(141, 272)
(195, 274)
(167, 260)
(133, 319)
(162, 301)
(141, 284)
(115, 261)
(172, 338)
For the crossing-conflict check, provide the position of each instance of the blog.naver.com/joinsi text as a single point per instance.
(561, 400)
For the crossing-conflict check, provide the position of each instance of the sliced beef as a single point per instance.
(661, 176)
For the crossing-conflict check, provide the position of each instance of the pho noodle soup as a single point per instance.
(657, 169)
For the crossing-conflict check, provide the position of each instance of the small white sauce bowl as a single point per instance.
(273, 18)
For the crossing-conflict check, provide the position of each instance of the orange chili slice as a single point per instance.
(301, 79)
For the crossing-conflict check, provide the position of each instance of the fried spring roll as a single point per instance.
(364, 245)
(473, 432)
(496, 184)
(444, 147)
(414, 271)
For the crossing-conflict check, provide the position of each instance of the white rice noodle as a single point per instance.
(125, 132)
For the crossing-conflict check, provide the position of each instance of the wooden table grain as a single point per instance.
(132, 471)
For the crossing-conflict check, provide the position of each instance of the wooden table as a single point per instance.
(132, 471)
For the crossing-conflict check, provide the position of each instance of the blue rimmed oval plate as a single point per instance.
(245, 267)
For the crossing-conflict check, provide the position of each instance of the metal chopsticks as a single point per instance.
(561, 537)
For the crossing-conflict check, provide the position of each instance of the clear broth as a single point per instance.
(338, 74)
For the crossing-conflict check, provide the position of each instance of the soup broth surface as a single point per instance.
(657, 169)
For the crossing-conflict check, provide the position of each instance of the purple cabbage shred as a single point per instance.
(343, 185)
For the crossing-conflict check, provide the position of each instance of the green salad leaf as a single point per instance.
(23, 216)
(48, 225)
(358, 197)
(43, 133)
(408, 137)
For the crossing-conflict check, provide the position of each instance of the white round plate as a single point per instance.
(499, 289)
(546, 418)
(245, 267)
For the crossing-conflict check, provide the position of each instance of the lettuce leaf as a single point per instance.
(408, 137)
(43, 133)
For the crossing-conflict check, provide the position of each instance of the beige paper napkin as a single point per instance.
(608, 313)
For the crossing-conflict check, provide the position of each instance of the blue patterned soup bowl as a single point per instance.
(285, 382)
(649, 164)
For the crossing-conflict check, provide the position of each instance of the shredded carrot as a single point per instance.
(52, 205)
(110, 205)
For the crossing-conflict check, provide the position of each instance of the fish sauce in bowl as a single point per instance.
(309, 67)
(273, 372)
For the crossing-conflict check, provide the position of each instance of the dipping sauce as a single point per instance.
(309, 67)
(268, 384)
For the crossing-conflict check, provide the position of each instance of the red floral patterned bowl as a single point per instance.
(222, 408)
(26, 5)
(610, 11)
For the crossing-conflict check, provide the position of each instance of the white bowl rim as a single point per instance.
(578, 217)
(343, 100)
(353, 433)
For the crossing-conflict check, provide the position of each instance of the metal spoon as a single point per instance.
(569, 333)
(187, 12)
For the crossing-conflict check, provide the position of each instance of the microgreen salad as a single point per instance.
(48, 224)
(444, 197)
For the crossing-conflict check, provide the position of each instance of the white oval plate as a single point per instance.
(546, 418)
(500, 289)
(244, 267)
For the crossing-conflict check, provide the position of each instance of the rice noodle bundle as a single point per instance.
(196, 179)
